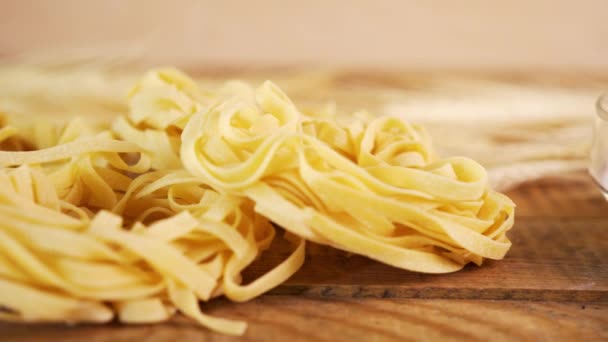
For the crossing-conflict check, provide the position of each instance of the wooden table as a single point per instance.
(553, 285)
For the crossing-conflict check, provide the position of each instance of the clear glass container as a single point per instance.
(598, 166)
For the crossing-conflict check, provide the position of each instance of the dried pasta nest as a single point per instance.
(154, 211)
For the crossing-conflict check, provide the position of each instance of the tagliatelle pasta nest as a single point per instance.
(167, 205)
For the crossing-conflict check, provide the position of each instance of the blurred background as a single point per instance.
(509, 83)
(534, 35)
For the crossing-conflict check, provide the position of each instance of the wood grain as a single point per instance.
(572, 196)
(315, 319)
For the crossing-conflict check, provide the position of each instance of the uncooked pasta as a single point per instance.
(151, 212)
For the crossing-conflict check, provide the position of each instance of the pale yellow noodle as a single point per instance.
(149, 213)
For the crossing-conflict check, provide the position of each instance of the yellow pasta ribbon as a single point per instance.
(149, 213)
(372, 187)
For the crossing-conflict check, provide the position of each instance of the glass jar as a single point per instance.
(598, 166)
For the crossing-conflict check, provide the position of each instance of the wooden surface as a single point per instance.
(553, 285)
